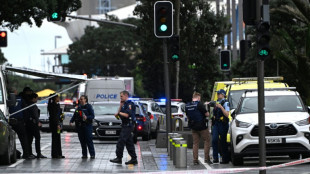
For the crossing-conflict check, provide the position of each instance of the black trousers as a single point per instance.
(56, 142)
(20, 129)
(125, 139)
(33, 131)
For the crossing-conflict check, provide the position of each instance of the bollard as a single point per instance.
(181, 154)
(174, 135)
(169, 142)
(174, 141)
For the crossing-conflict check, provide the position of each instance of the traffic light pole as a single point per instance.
(167, 89)
(261, 100)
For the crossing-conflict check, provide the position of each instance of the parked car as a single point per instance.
(7, 142)
(155, 113)
(177, 110)
(143, 122)
(287, 125)
(68, 109)
(105, 125)
(44, 117)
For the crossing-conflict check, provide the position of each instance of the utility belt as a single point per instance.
(82, 123)
(222, 119)
(15, 121)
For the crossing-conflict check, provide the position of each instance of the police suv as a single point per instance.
(287, 125)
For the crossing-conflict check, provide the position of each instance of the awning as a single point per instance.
(45, 92)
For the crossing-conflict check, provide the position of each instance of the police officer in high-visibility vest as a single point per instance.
(197, 116)
(220, 127)
(125, 112)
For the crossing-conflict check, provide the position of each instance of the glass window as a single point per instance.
(273, 104)
(174, 109)
(65, 59)
(145, 106)
(43, 109)
(234, 97)
(2, 117)
(137, 110)
(105, 109)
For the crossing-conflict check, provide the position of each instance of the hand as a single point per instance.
(116, 114)
(218, 105)
(39, 124)
(70, 124)
(58, 127)
(84, 117)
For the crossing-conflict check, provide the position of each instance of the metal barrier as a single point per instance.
(174, 141)
(170, 144)
(180, 154)
(177, 124)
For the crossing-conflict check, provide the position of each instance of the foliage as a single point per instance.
(105, 51)
(14, 12)
(201, 32)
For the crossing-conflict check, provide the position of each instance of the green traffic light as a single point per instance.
(175, 57)
(263, 53)
(163, 27)
(225, 65)
(55, 15)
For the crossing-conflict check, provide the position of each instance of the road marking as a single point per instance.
(22, 160)
(205, 164)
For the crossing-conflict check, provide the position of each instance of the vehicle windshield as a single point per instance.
(105, 109)
(234, 97)
(174, 109)
(273, 104)
(43, 109)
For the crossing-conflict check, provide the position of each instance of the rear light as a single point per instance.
(139, 127)
(178, 115)
(141, 119)
(67, 101)
(151, 117)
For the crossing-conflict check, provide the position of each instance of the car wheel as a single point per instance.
(235, 159)
(294, 156)
(5, 159)
(13, 156)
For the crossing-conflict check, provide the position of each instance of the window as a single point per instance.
(105, 109)
(234, 97)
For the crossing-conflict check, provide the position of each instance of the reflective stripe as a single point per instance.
(173, 143)
(180, 145)
(170, 140)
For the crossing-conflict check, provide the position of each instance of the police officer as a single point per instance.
(54, 112)
(32, 115)
(220, 127)
(197, 113)
(18, 123)
(83, 118)
(125, 112)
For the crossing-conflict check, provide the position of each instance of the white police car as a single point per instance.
(287, 125)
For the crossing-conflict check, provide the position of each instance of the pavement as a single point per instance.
(150, 160)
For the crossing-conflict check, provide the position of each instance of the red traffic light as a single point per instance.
(3, 34)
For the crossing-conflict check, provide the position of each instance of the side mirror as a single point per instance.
(12, 100)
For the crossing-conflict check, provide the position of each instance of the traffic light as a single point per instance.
(163, 19)
(245, 45)
(225, 60)
(54, 16)
(263, 38)
(249, 12)
(174, 48)
(3, 39)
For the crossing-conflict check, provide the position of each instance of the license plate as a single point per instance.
(274, 140)
(110, 132)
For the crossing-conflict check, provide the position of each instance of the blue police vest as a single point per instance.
(217, 112)
(13, 109)
(192, 111)
(125, 109)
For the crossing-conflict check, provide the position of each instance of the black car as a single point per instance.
(105, 125)
(7, 142)
(143, 122)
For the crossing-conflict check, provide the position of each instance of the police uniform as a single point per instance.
(85, 128)
(18, 125)
(195, 112)
(220, 129)
(125, 138)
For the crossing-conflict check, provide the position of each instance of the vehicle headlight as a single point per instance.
(95, 123)
(303, 122)
(242, 124)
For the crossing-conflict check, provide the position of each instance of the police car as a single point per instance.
(44, 117)
(177, 110)
(287, 125)
(154, 112)
(68, 109)
(143, 123)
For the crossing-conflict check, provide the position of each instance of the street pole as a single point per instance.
(177, 31)
(167, 89)
(261, 100)
(229, 34)
(234, 30)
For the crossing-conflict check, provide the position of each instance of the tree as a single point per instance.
(108, 50)
(201, 32)
(15, 12)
